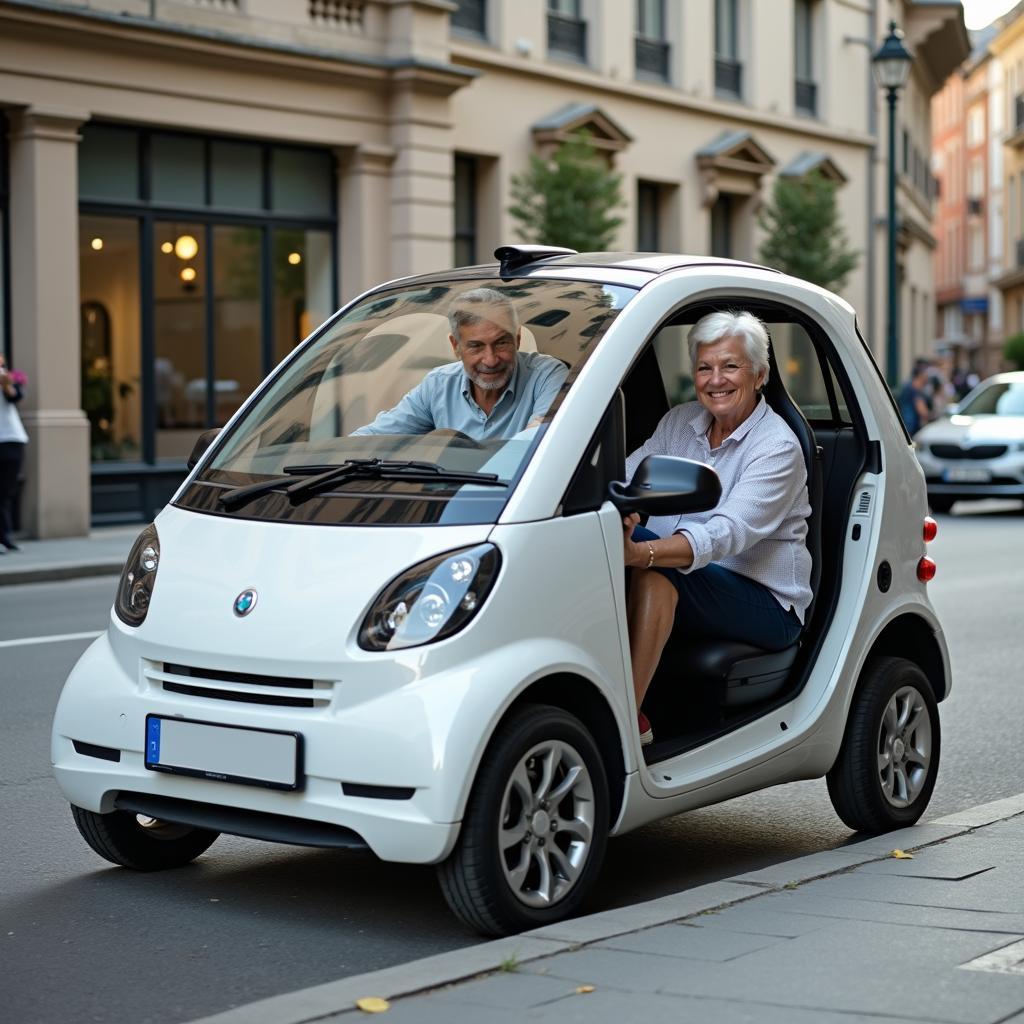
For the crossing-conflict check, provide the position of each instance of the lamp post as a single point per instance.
(891, 67)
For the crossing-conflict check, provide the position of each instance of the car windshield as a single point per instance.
(414, 406)
(1004, 398)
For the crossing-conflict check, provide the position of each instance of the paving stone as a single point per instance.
(984, 814)
(755, 919)
(432, 1009)
(692, 943)
(802, 868)
(902, 839)
(511, 989)
(819, 908)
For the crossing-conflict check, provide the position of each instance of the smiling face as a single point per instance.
(488, 349)
(726, 381)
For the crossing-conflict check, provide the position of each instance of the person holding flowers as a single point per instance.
(12, 448)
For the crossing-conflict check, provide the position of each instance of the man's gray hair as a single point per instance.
(464, 309)
(732, 324)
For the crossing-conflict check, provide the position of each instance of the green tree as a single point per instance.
(1013, 350)
(804, 235)
(568, 200)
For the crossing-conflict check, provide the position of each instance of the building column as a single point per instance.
(364, 206)
(45, 319)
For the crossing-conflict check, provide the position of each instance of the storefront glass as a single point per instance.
(108, 259)
(212, 259)
(303, 285)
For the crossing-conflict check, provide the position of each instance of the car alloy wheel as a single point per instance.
(904, 747)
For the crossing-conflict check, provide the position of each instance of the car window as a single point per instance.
(1000, 399)
(810, 384)
(391, 354)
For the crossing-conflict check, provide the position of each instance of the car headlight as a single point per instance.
(137, 578)
(431, 600)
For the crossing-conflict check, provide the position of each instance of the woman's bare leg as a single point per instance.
(650, 613)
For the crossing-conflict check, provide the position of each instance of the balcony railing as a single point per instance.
(728, 77)
(652, 58)
(567, 37)
(806, 97)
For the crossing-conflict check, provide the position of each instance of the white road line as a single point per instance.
(27, 641)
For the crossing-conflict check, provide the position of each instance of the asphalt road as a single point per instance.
(85, 941)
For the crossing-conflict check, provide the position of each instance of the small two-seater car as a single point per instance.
(417, 643)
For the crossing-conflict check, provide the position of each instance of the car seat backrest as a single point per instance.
(779, 399)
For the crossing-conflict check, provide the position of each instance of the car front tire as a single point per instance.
(886, 769)
(535, 829)
(141, 843)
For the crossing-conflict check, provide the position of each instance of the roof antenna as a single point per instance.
(513, 257)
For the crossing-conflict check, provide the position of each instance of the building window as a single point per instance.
(651, 48)
(648, 217)
(805, 89)
(567, 31)
(465, 211)
(722, 226)
(728, 69)
(470, 18)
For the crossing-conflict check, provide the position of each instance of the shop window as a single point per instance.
(108, 163)
(236, 175)
(108, 259)
(303, 267)
(177, 170)
(301, 182)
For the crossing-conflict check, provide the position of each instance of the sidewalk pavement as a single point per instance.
(101, 553)
(853, 934)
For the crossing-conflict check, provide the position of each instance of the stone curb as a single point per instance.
(68, 571)
(434, 972)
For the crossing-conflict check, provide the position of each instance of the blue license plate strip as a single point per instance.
(240, 754)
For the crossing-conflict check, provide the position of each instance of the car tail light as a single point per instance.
(931, 528)
(926, 569)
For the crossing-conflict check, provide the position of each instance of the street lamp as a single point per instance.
(891, 67)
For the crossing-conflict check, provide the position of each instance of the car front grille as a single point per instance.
(245, 687)
(978, 451)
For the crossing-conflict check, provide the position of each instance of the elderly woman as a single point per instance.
(740, 571)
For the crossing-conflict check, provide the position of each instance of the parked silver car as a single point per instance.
(977, 449)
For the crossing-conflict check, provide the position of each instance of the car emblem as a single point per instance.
(245, 602)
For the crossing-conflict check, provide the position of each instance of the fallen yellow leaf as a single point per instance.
(900, 855)
(373, 1004)
(584, 989)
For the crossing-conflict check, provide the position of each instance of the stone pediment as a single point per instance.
(733, 162)
(605, 134)
(807, 162)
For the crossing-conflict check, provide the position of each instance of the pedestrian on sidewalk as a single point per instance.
(12, 449)
(913, 399)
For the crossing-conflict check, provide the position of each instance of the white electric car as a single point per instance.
(417, 643)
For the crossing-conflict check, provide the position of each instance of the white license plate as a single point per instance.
(966, 475)
(225, 753)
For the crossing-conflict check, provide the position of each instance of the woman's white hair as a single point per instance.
(732, 324)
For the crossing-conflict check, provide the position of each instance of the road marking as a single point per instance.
(27, 641)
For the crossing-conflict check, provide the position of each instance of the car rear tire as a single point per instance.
(940, 502)
(141, 843)
(886, 769)
(536, 826)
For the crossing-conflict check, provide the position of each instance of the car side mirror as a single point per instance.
(666, 485)
(203, 441)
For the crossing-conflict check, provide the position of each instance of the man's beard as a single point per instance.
(489, 383)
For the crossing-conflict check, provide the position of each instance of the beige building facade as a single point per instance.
(189, 186)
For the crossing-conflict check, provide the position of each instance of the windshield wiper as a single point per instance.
(378, 469)
(318, 478)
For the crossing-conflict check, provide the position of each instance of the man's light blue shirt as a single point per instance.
(444, 400)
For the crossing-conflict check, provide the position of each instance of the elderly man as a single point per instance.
(493, 391)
